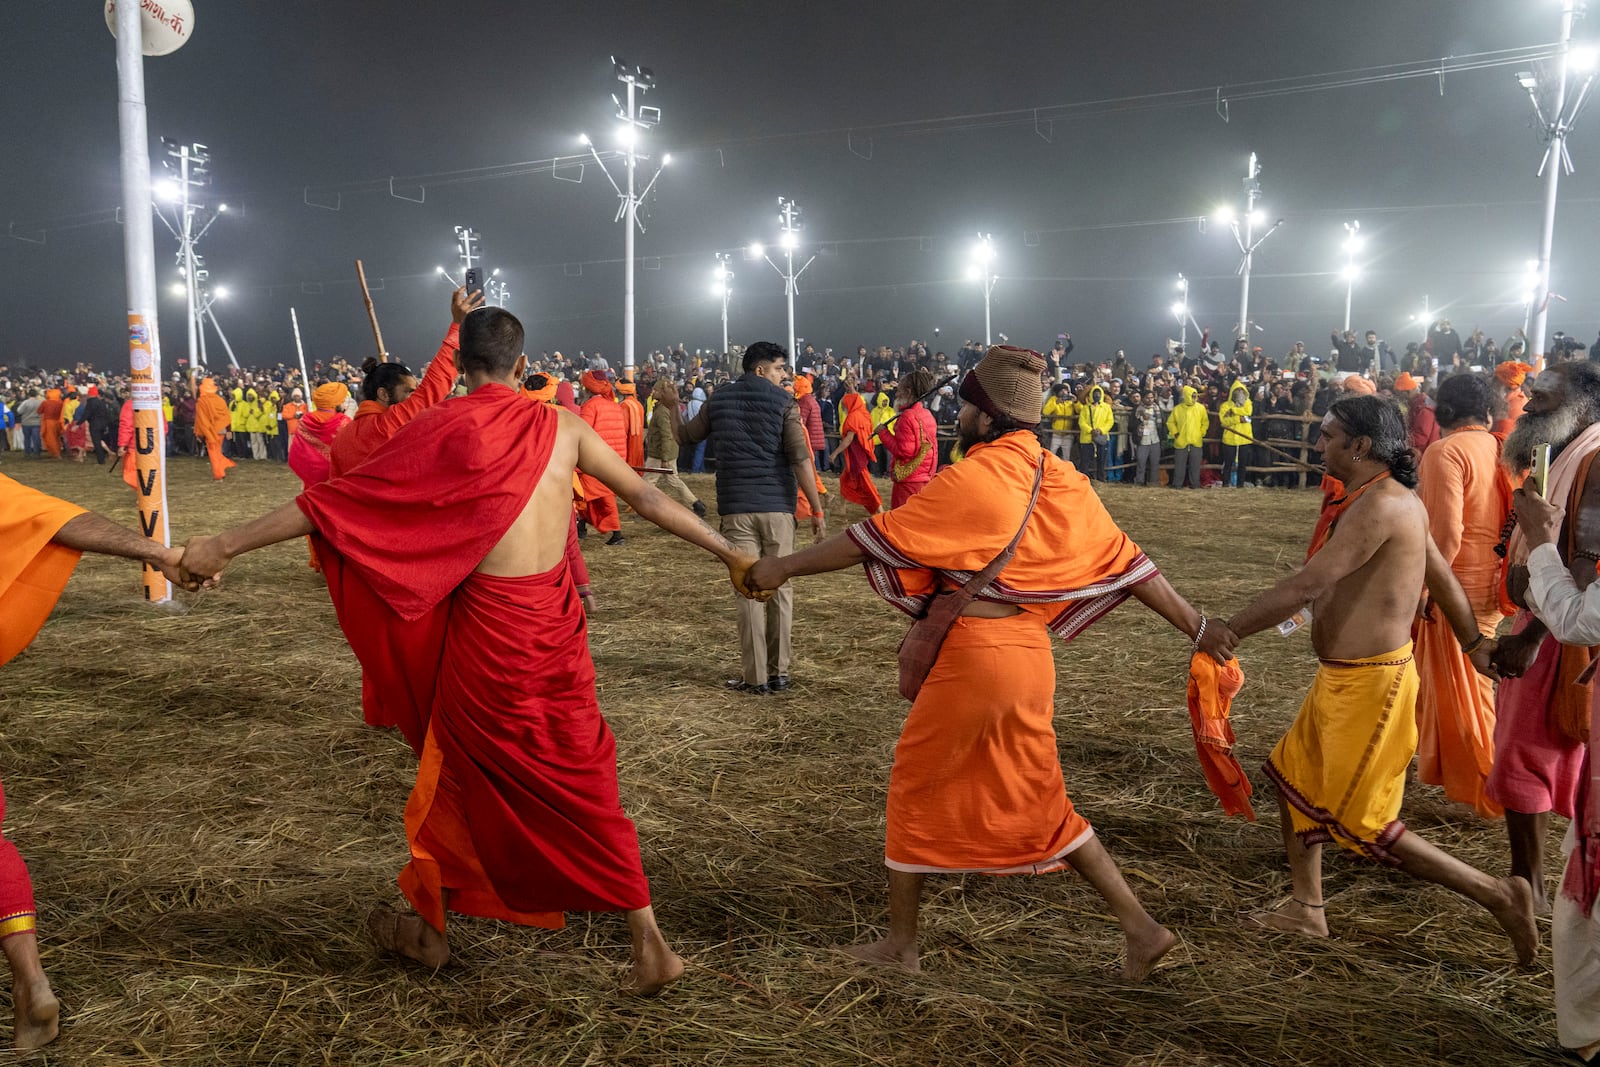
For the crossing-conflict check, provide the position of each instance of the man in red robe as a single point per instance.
(444, 555)
(602, 412)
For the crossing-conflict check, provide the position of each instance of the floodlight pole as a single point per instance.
(1351, 229)
(305, 379)
(139, 260)
(205, 310)
(638, 80)
(789, 237)
(725, 287)
(191, 288)
(1557, 127)
(1183, 319)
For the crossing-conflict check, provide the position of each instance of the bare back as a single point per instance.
(1369, 611)
(537, 540)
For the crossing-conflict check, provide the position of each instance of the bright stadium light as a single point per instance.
(1244, 237)
(788, 239)
(981, 269)
(1352, 243)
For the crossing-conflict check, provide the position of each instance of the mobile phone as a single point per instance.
(473, 281)
(1541, 468)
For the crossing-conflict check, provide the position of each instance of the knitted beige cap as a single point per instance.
(1008, 383)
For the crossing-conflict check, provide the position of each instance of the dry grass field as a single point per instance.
(208, 822)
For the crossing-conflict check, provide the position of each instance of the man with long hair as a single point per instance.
(1341, 768)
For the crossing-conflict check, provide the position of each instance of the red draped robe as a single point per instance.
(515, 814)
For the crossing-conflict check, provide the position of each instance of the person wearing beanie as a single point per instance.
(1187, 424)
(391, 396)
(977, 783)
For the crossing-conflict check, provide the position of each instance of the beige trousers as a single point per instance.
(670, 484)
(763, 628)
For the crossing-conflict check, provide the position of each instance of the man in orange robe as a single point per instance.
(391, 396)
(855, 441)
(41, 540)
(50, 421)
(605, 415)
(1468, 496)
(444, 556)
(211, 420)
(633, 413)
(977, 784)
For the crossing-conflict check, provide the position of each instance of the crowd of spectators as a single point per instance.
(1113, 418)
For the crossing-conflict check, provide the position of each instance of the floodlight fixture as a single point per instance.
(222, 292)
(981, 269)
(789, 240)
(756, 250)
(1242, 225)
(1225, 215)
(1582, 59)
(1180, 310)
(583, 139)
(178, 289)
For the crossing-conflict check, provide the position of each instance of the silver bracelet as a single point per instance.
(1198, 634)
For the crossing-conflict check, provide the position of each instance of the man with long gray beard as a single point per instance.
(1541, 719)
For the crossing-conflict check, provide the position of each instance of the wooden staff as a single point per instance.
(372, 315)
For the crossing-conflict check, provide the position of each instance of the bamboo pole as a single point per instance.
(372, 314)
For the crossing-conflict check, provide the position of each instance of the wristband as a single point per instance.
(1473, 646)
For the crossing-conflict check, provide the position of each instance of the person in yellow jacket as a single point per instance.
(882, 411)
(271, 425)
(255, 424)
(238, 423)
(1062, 411)
(1187, 424)
(1237, 434)
(1095, 419)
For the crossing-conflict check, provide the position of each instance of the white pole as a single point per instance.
(139, 259)
(988, 288)
(215, 325)
(1553, 164)
(305, 379)
(1349, 290)
(627, 250)
(1251, 191)
(788, 289)
(725, 320)
(191, 288)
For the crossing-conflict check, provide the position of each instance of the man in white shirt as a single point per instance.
(1573, 617)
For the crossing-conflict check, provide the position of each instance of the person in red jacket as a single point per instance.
(391, 396)
(125, 441)
(911, 438)
(602, 412)
(811, 419)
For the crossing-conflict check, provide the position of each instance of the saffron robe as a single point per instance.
(977, 782)
(611, 423)
(1467, 495)
(515, 813)
(855, 480)
(211, 419)
(1342, 765)
(33, 571)
(50, 421)
(1212, 687)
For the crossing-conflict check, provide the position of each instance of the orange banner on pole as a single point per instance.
(149, 446)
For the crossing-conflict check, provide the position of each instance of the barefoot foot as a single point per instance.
(886, 953)
(1514, 913)
(1293, 917)
(408, 935)
(651, 975)
(38, 1014)
(1145, 950)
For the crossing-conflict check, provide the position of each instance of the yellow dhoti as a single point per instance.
(1342, 765)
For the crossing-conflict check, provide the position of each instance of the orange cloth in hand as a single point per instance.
(33, 568)
(1212, 687)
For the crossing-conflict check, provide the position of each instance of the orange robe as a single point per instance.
(33, 568)
(50, 421)
(855, 480)
(977, 782)
(611, 423)
(633, 414)
(1468, 496)
(211, 419)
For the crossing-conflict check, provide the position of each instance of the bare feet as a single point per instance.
(654, 971)
(1293, 917)
(1145, 950)
(1514, 913)
(409, 935)
(38, 1014)
(886, 953)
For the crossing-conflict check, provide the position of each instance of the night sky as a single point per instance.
(757, 100)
